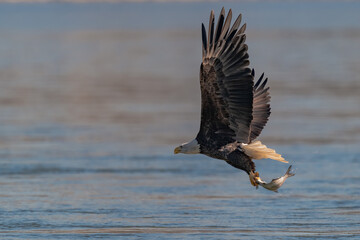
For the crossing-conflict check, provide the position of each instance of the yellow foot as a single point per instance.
(253, 178)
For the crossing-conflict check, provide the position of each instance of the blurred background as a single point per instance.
(95, 96)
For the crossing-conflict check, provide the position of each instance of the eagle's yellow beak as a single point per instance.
(177, 150)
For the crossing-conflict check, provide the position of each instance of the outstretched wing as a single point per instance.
(226, 84)
(261, 106)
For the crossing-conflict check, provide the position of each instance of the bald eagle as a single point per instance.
(234, 110)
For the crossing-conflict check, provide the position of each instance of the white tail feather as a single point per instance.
(257, 150)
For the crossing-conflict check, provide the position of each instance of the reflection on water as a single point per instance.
(90, 117)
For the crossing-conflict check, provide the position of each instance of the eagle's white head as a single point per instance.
(192, 147)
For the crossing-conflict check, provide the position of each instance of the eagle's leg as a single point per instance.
(240, 160)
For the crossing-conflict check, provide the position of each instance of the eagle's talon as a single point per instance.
(253, 178)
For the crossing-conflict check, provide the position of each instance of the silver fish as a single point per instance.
(276, 183)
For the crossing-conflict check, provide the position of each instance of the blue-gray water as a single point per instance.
(94, 97)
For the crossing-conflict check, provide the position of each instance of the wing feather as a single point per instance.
(261, 107)
(211, 31)
(204, 40)
(219, 25)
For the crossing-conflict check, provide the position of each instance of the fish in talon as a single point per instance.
(276, 183)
